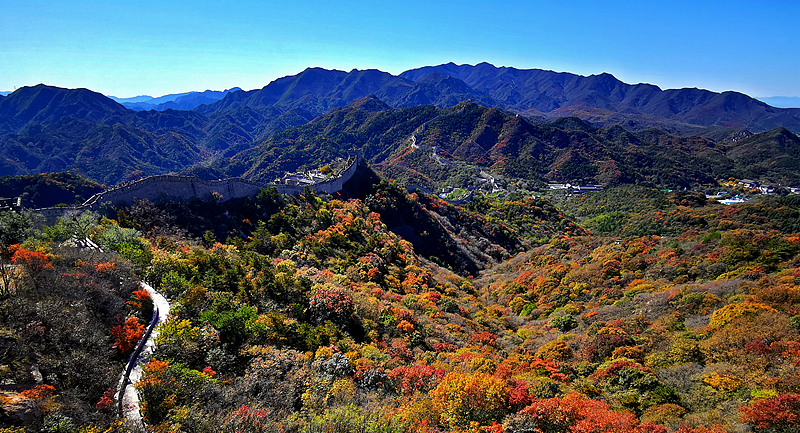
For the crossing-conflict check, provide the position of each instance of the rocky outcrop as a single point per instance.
(16, 409)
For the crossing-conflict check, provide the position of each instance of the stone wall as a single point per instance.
(186, 187)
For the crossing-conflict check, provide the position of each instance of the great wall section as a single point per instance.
(186, 187)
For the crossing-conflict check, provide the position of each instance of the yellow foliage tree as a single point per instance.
(462, 399)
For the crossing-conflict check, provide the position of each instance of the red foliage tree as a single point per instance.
(106, 402)
(416, 378)
(550, 367)
(331, 304)
(518, 395)
(401, 351)
(781, 413)
(575, 414)
(444, 347)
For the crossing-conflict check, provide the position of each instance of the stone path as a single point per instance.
(130, 398)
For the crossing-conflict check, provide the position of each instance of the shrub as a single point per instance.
(337, 366)
(575, 414)
(165, 385)
(564, 323)
(177, 340)
(250, 420)
(631, 352)
(232, 325)
(557, 350)
(485, 338)
(726, 314)
(408, 380)
(665, 414)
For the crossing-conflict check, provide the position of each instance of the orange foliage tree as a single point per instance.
(141, 302)
(34, 262)
(39, 392)
(128, 334)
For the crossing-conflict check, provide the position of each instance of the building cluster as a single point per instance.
(10, 204)
(754, 185)
(301, 178)
(749, 186)
(575, 189)
(455, 195)
(311, 177)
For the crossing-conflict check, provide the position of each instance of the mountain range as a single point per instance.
(48, 129)
(175, 101)
(601, 99)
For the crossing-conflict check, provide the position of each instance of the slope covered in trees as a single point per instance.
(69, 318)
(348, 314)
(401, 144)
(46, 190)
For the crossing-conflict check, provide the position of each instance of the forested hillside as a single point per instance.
(45, 190)
(632, 310)
(431, 147)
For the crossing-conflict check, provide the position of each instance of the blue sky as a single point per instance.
(125, 48)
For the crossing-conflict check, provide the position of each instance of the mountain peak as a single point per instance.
(370, 104)
(45, 104)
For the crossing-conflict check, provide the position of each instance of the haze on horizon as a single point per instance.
(166, 47)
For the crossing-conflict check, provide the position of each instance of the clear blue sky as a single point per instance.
(125, 48)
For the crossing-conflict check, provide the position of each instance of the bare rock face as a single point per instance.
(17, 409)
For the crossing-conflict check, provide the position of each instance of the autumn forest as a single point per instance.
(380, 310)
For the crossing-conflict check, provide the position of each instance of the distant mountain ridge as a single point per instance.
(536, 91)
(48, 129)
(601, 99)
(317, 91)
(176, 101)
(44, 104)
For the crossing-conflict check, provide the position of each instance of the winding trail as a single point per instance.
(129, 401)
